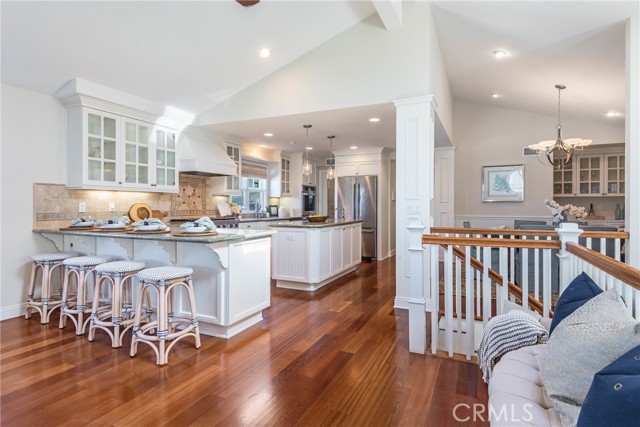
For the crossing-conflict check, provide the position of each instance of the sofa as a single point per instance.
(586, 374)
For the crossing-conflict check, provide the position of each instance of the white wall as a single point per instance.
(33, 150)
(488, 136)
(364, 65)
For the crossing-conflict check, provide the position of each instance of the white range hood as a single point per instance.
(201, 156)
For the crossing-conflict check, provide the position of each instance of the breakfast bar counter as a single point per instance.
(229, 296)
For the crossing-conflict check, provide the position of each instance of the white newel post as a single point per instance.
(568, 232)
(417, 313)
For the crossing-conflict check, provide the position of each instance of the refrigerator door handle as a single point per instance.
(353, 203)
(368, 230)
(358, 203)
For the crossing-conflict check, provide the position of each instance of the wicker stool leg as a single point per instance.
(64, 305)
(194, 316)
(32, 289)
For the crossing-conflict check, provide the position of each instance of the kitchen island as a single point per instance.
(229, 296)
(306, 256)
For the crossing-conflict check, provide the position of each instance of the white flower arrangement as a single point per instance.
(559, 212)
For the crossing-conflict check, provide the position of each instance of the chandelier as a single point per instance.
(306, 167)
(331, 172)
(559, 153)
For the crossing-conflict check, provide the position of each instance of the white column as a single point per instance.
(632, 142)
(417, 314)
(568, 232)
(414, 183)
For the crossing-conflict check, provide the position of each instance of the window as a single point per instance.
(253, 195)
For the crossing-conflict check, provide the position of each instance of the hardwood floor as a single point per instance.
(336, 357)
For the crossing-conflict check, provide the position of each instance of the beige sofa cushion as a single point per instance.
(586, 341)
(516, 394)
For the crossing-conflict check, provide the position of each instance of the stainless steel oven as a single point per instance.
(308, 200)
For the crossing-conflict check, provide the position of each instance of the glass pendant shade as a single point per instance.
(306, 167)
(331, 171)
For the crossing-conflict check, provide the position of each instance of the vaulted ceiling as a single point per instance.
(194, 55)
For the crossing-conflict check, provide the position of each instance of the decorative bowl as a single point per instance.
(150, 227)
(83, 224)
(317, 218)
(114, 225)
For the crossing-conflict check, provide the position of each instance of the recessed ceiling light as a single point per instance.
(265, 52)
(495, 95)
(499, 54)
(374, 119)
(354, 147)
(308, 148)
(264, 146)
(267, 134)
(612, 114)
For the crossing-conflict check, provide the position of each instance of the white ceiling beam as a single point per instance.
(390, 12)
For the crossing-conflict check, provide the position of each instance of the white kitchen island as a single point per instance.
(306, 256)
(230, 271)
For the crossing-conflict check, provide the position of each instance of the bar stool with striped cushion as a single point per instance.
(79, 268)
(167, 326)
(46, 263)
(118, 275)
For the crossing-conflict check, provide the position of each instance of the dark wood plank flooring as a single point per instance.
(336, 357)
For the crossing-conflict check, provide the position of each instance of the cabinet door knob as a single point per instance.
(120, 182)
(154, 185)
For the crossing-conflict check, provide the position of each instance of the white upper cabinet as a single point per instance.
(229, 185)
(592, 175)
(111, 152)
(360, 162)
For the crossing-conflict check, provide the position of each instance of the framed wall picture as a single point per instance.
(273, 210)
(503, 183)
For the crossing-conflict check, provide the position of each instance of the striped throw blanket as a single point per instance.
(505, 333)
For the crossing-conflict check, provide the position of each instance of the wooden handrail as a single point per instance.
(497, 277)
(617, 269)
(429, 239)
(518, 232)
(492, 231)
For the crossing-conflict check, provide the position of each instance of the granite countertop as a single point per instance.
(214, 219)
(307, 224)
(224, 235)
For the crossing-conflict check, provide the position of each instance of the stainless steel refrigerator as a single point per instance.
(357, 195)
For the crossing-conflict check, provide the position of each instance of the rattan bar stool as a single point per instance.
(46, 264)
(80, 268)
(167, 327)
(118, 275)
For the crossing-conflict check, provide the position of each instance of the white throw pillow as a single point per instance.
(586, 341)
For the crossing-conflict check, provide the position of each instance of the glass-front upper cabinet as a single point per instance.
(165, 163)
(614, 174)
(136, 153)
(233, 182)
(285, 178)
(589, 180)
(563, 180)
(101, 147)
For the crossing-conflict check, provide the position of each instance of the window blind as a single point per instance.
(253, 171)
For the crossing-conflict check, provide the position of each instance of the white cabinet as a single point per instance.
(285, 177)
(307, 258)
(112, 152)
(361, 168)
(592, 175)
(229, 185)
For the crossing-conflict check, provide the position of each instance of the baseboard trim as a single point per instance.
(13, 311)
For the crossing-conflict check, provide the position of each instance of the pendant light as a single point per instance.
(306, 168)
(332, 160)
(559, 153)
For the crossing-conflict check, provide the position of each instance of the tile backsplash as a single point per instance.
(55, 205)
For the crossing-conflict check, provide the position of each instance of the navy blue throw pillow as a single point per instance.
(614, 396)
(579, 291)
